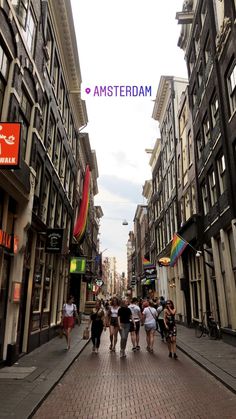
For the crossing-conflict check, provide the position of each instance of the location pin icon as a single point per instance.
(87, 90)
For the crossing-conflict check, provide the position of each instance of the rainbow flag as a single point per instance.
(177, 248)
(80, 226)
(147, 264)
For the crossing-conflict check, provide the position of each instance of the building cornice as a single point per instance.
(62, 19)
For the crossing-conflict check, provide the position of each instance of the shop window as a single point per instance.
(231, 84)
(47, 282)
(38, 274)
(221, 173)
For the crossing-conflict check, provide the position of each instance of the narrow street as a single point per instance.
(143, 385)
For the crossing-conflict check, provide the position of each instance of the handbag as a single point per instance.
(86, 333)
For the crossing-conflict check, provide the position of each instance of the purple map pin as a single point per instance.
(87, 90)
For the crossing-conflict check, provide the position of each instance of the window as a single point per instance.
(212, 185)
(231, 80)
(24, 118)
(45, 197)
(38, 178)
(56, 158)
(193, 200)
(206, 130)
(205, 198)
(51, 135)
(55, 74)
(187, 205)
(214, 110)
(221, 173)
(199, 145)
(4, 70)
(49, 47)
(30, 31)
(21, 7)
(53, 201)
(203, 12)
(43, 119)
(190, 148)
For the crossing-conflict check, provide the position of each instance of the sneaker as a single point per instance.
(138, 348)
(170, 355)
(151, 351)
(113, 349)
(96, 351)
(122, 354)
(134, 349)
(148, 349)
(93, 350)
(175, 356)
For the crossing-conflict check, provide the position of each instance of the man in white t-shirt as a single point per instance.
(135, 325)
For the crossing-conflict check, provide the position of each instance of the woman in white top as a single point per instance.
(69, 312)
(149, 316)
(113, 321)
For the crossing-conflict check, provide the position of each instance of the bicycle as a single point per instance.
(208, 326)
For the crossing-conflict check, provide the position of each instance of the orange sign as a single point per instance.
(9, 144)
(16, 290)
(5, 239)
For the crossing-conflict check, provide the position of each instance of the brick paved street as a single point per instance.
(142, 385)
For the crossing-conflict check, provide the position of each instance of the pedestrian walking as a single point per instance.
(149, 317)
(113, 321)
(135, 324)
(69, 313)
(160, 317)
(170, 325)
(124, 319)
(97, 322)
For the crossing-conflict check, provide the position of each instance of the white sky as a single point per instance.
(125, 42)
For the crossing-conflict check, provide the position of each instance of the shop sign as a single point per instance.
(5, 239)
(9, 144)
(54, 240)
(16, 291)
(150, 273)
(77, 265)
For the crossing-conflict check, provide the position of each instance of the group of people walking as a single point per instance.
(127, 316)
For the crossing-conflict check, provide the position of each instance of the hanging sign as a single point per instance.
(54, 240)
(9, 145)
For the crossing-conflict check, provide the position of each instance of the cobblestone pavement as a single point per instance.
(143, 385)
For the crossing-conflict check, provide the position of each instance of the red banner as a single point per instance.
(9, 144)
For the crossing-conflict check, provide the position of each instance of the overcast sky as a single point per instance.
(124, 43)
